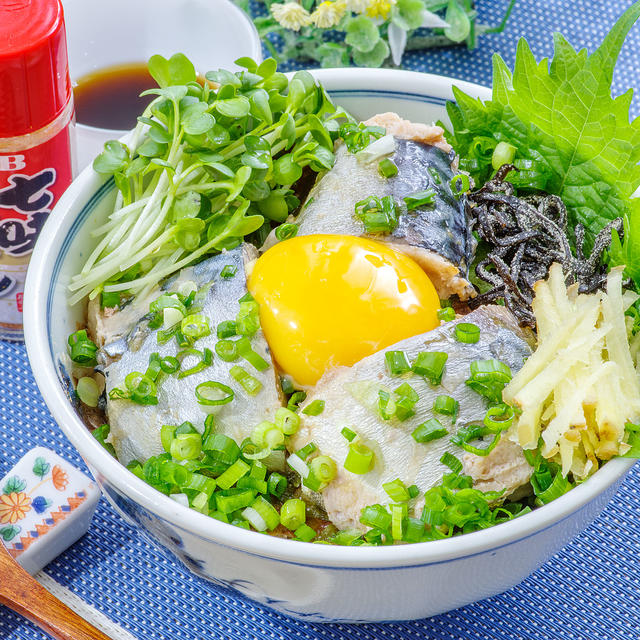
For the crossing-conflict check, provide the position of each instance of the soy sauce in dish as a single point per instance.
(109, 98)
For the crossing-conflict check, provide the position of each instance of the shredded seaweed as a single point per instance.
(526, 235)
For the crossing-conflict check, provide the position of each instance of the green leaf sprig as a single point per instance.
(208, 162)
(564, 131)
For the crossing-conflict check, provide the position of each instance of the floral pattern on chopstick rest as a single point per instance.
(46, 504)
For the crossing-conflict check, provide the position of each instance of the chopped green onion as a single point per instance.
(88, 391)
(101, 433)
(243, 346)
(142, 390)
(414, 530)
(154, 368)
(446, 405)
(387, 168)
(324, 469)
(396, 490)
(473, 432)
(195, 326)
(504, 153)
(488, 378)
(186, 446)
(286, 231)
(306, 451)
(449, 460)
(557, 488)
(305, 533)
(171, 317)
(200, 483)
(167, 434)
(396, 363)
(236, 471)
(226, 350)
(430, 430)
(234, 499)
(254, 518)
(221, 449)
(430, 364)
(293, 514)
(226, 329)
(397, 521)
(250, 384)
(286, 384)
(276, 484)
(413, 491)
(446, 314)
(459, 514)
(314, 408)
(109, 299)
(205, 356)
(214, 394)
(498, 418)
(267, 435)
(460, 184)
(386, 406)
(296, 399)
(376, 517)
(420, 199)
(467, 332)
(169, 364)
(228, 271)
(348, 434)
(312, 482)
(359, 459)
(347, 537)
(247, 482)
(287, 421)
(298, 464)
(378, 215)
(406, 400)
(248, 318)
(258, 471)
(268, 513)
(82, 350)
(201, 503)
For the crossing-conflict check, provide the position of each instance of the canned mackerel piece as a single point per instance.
(36, 128)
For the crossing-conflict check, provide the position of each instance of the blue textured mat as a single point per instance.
(589, 591)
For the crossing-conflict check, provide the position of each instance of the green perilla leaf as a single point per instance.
(562, 119)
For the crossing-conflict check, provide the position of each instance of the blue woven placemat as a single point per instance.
(588, 591)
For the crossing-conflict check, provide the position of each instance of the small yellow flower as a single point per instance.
(291, 15)
(379, 8)
(328, 14)
(357, 6)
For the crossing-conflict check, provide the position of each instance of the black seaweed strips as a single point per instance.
(526, 235)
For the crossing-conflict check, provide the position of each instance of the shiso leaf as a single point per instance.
(573, 138)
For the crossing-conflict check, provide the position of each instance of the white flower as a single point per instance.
(291, 15)
(328, 14)
(397, 42)
(433, 21)
(357, 6)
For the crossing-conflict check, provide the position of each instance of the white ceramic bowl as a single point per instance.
(211, 33)
(314, 582)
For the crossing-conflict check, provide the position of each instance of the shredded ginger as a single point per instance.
(579, 388)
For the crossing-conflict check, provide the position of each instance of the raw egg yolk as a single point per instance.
(329, 300)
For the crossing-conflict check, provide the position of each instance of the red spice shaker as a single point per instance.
(36, 129)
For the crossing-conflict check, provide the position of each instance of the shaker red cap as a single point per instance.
(34, 68)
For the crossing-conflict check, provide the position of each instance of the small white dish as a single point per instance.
(313, 582)
(212, 33)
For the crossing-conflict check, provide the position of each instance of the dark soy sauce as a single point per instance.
(110, 98)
